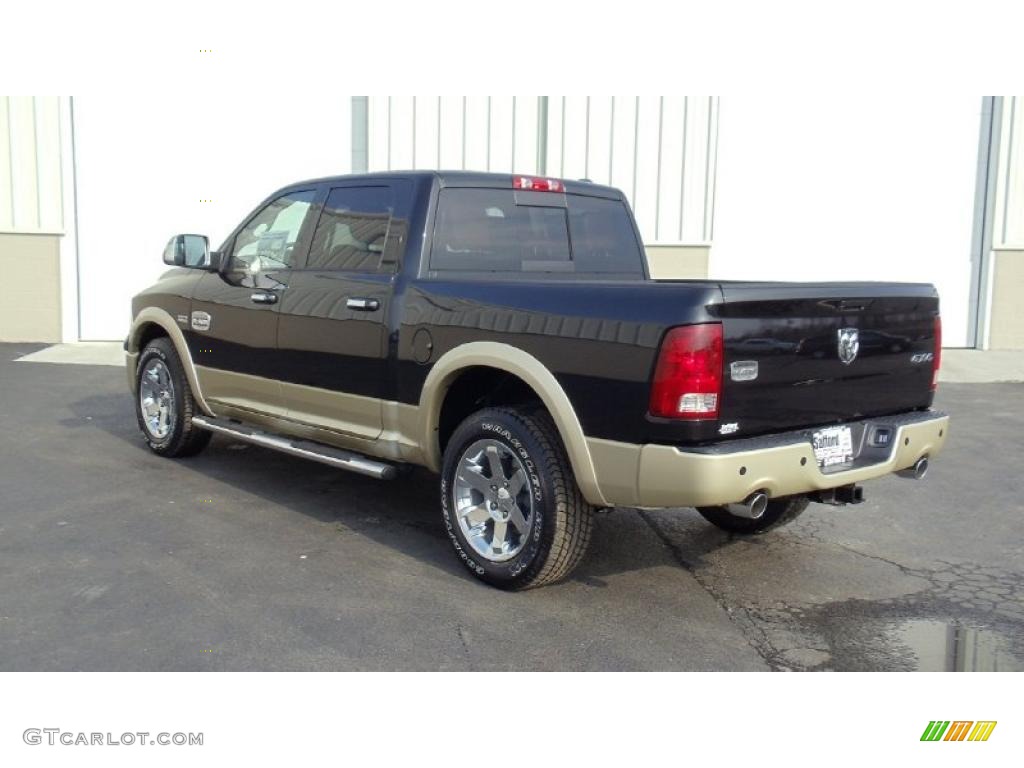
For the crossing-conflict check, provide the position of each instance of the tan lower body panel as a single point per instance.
(664, 476)
(381, 428)
(349, 414)
(352, 422)
(281, 425)
(340, 412)
(240, 390)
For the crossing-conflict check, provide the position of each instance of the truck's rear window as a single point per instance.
(485, 230)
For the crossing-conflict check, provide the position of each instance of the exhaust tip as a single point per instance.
(916, 472)
(757, 503)
(751, 508)
(921, 468)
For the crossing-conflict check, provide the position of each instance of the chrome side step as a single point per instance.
(307, 449)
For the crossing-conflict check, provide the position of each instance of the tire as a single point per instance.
(161, 377)
(539, 485)
(779, 512)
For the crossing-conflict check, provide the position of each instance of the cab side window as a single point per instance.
(267, 242)
(353, 229)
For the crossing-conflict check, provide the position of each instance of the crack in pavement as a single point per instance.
(853, 633)
(965, 583)
(752, 633)
(461, 632)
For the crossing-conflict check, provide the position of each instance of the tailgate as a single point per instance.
(808, 354)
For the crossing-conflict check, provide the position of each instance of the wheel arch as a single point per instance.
(531, 372)
(150, 323)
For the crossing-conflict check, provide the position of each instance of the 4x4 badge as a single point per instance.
(200, 321)
(849, 344)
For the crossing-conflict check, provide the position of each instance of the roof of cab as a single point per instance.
(468, 179)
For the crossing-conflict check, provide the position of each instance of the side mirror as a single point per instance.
(191, 251)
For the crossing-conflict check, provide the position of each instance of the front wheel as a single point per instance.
(510, 502)
(778, 512)
(164, 404)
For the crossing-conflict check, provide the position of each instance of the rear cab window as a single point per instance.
(482, 230)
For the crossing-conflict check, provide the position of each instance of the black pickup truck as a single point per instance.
(504, 332)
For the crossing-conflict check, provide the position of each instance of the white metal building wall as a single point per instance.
(1002, 325)
(661, 151)
(31, 173)
(37, 203)
(145, 174)
(833, 187)
(1008, 225)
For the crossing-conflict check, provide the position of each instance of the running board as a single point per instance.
(307, 449)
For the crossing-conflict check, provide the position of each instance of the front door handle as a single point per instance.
(363, 305)
(263, 298)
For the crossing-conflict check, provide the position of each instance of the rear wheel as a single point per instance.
(164, 404)
(510, 502)
(779, 512)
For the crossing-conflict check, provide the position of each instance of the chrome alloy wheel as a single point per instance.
(493, 500)
(156, 397)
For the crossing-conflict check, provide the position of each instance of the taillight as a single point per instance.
(537, 185)
(687, 380)
(937, 357)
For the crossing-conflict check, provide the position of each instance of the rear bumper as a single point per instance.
(780, 464)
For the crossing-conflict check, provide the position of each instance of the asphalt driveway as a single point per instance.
(241, 558)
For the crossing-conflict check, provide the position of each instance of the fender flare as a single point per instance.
(535, 374)
(157, 316)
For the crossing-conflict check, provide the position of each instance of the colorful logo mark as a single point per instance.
(958, 730)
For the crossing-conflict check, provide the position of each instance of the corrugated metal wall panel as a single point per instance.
(622, 141)
(6, 178)
(450, 129)
(638, 144)
(659, 150)
(1009, 211)
(31, 177)
(524, 159)
(645, 194)
(49, 170)
(496, 133)
(501, 136)
(476, 151)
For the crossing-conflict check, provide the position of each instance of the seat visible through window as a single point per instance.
(352, 230)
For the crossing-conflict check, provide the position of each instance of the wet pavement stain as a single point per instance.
(942, 614)
(938, 629)
(921, 632)
(942, 647)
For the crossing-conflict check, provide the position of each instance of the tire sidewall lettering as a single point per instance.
(512, 568)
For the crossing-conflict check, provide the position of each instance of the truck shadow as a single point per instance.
(402, 514)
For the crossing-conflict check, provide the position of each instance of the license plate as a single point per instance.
(832, 446)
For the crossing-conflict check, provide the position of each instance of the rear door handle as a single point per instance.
(263, 298)
(363, 305)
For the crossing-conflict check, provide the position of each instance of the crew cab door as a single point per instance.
(232, 330)
(334, 329)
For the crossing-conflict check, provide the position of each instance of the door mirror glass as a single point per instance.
(192, 251)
